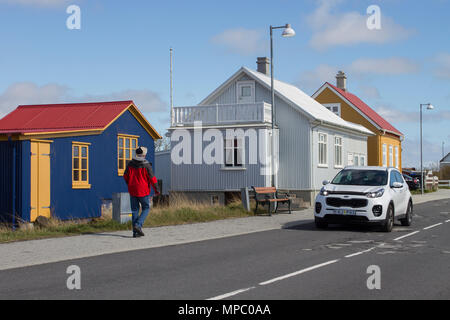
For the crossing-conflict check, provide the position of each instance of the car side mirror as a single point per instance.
(325, 182)
(397, 185)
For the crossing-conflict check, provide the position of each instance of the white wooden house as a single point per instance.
(311, 143)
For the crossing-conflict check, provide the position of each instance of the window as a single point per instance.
(126, 146)
(334, 107)
(396, 177)
(350, 159)
(362, 161)
(246, 92)
(80, 165)
(384, 155)
(338, 161)
(234, 154)
(396, 158)
(322, 149)
(356, 160)
(391, 156)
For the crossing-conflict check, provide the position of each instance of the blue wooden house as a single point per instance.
(64, 160)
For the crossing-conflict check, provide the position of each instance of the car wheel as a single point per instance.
(320, 224)
(389, 222)
(408, 219)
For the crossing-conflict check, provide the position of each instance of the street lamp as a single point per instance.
(429, 107)
(288, 32)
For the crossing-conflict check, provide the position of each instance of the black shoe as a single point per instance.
(138, 232)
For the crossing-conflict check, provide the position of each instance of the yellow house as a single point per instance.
(385, 148)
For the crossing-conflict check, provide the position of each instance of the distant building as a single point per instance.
(385, 147)
(66, 159)
(444, 168)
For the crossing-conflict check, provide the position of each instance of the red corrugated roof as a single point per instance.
(62, 117)
(366, 110)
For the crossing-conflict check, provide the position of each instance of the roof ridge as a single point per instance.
(78, 104)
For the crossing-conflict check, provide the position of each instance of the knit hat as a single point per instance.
(141, 152)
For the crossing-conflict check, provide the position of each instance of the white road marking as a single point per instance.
(298, 272)
(434, 225)
(406, 235)
(358, 253)
(227, 295)
(448, 220)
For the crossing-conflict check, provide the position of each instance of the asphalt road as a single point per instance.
(300, 262)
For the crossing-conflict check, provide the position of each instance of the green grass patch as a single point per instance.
(418, 191)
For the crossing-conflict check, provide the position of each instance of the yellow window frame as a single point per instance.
(126, 145)
(78, 167)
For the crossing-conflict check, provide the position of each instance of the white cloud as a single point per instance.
(370, 92)
(395, 115)
(313, 79)
(242, 41)
(37, 3)
(443, 68)
(388, 66)
(332, 28)
(29, 93)
(432, 153)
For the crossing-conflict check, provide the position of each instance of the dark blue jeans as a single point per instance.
(136, 202)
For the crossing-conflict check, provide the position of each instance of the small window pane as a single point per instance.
(84, 164)
(76, 175)
(127, 143)
(83, 175)
(120, 153)
(246, 91)
(76, 163)
(134, 144)
(121, 164)
(76, 151)
(120, 142)
(84, 152)
(127, 153)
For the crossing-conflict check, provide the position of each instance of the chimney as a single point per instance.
(263, 65)
(341, 81)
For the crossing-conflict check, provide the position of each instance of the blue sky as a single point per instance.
(122, 52)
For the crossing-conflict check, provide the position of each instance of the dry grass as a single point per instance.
(180, 211)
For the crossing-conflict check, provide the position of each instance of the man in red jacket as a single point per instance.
(139, 178)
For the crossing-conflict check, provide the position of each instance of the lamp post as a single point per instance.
(429, 107)
(287, 33)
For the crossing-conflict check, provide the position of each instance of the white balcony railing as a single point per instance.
(223, 114)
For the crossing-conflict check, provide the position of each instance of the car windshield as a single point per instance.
(353, 177)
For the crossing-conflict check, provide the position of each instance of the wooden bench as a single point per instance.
(268, 196)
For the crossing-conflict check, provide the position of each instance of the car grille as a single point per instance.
(352, 203)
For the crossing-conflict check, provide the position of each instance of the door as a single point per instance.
(403, 199)
(398, 194)
(40, 179)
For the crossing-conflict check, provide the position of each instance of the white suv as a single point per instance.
(369, 195)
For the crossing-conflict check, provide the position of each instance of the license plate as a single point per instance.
(345, 212)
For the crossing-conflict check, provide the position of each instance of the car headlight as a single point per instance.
(324, 192)
(376, 194)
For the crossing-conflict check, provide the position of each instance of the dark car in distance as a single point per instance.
(413, 183)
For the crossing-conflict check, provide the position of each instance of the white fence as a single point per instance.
(223, 114)
(444, 183)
